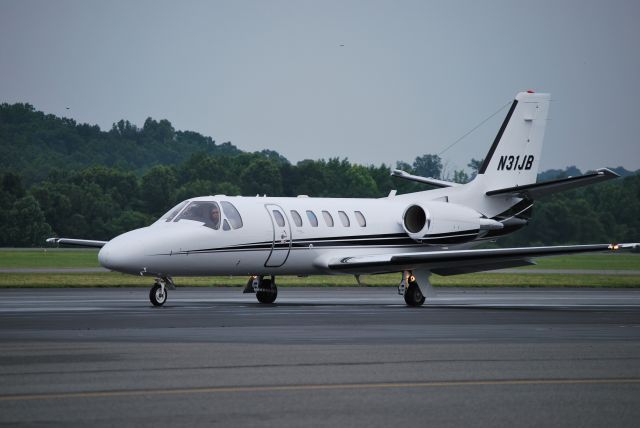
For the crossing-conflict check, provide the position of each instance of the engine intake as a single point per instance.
(416, 221)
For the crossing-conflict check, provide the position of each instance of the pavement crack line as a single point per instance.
(314, 387)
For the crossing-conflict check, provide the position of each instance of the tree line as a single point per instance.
(51, 185)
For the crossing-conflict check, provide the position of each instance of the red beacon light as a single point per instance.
(530, 91)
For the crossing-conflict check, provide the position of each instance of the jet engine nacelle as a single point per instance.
(441, 223)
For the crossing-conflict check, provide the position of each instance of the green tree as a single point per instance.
(25, 224)
(460, 176)
(474, 165)
(428, 166)
(261, 177)
(158, 188)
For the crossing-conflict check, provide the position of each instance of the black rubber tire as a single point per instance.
(267, 292)
(155, 297)
(413, 296)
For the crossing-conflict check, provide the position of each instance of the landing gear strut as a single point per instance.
(158, 293)
(265, 288)
(410, 289)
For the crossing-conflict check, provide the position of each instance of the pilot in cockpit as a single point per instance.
(207, 212)
(215, 216)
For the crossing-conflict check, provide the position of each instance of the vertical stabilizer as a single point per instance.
(514, 157)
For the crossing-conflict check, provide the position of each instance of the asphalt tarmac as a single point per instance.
(320, 357)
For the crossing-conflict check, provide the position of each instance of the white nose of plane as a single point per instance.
(125, 253)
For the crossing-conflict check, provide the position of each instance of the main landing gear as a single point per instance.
(265, 288)
(158, 293)
(409, 287)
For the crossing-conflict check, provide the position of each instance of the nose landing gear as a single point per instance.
(158, 293)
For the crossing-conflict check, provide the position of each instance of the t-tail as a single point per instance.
(514, 157)
(511, 166)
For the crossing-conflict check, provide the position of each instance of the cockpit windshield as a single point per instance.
(169, 215)
(202, 211)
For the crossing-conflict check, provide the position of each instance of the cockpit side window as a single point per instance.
(173, 211)
(232, 214)
(203, 211)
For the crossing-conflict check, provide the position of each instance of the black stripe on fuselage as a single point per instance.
(379, 241)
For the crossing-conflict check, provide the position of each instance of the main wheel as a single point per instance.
(413, 296)
(157, 296)
(267, 292)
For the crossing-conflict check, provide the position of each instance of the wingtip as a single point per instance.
(608, 172)
(626, 246)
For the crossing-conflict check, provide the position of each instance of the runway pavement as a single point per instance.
(320, 356)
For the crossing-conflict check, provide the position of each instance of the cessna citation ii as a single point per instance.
(413, 234)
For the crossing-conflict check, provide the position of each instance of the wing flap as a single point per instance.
(458, 270)
(461, 260)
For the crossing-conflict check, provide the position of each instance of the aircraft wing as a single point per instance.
(536, 190)
(78, 242)
(453, 262)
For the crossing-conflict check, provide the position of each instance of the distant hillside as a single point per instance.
(33, 143)
(62, 178)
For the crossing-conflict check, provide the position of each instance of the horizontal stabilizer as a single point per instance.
(448, 261)
(537, 190)
(430, 181)
(77, 242)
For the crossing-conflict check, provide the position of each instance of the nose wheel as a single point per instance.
(158, 293)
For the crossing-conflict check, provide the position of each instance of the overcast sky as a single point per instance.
(411, 78)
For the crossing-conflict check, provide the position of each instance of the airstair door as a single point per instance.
(281, 246)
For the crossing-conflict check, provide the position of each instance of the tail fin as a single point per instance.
(514, 157)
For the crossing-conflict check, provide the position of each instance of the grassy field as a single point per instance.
(48, 258)
(88, 259)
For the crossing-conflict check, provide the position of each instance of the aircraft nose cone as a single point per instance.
(103, 256)
(123, 253)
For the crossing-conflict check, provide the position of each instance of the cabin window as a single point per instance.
(296, 218)
(173, 211)
(232, 214)
(361, 220)
(327, 218)
(312, 218)
(206, 212)
(225, 225)
(344, 218)
(279, 218)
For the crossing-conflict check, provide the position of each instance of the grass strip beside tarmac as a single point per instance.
(48, 258)
(112, 279)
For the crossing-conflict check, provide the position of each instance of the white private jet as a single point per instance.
(414, 234)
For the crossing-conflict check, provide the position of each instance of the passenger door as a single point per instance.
(281, 246)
